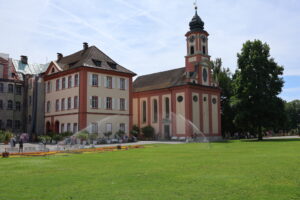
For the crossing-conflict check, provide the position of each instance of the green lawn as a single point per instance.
(232, 170)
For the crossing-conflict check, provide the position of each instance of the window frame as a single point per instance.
(108, 103)
(95, 102)
(109, 81)
(95, 80)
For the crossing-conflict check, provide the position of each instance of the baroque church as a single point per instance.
(185, 102)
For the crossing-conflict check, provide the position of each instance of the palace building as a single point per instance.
(87, 89)
(183, 102)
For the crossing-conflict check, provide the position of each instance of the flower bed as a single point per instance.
(91, 150)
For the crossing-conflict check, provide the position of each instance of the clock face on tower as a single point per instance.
(192, 38)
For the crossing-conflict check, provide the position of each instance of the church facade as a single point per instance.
(185, 102)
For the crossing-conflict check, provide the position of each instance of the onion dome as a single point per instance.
(196, 23)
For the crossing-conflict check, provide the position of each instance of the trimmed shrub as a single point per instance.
(148, 132)
(135, 131)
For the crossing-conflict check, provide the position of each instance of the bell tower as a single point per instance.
(196, 66)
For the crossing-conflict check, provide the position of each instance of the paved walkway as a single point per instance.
(52, 147)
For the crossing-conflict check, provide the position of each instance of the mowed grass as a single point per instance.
(232, 170)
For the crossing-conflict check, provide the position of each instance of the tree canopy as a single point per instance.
(256, 85)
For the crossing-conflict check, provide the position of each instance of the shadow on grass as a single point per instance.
(273, 140)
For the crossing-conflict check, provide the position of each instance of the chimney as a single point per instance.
(24, 59)
(85, 46)
(59, 56)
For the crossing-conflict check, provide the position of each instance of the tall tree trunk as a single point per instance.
(260, 135)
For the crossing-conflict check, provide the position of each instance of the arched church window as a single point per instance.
(167, 106)
(192, 50)
(205, 74)
(204, 50)
(155, 108)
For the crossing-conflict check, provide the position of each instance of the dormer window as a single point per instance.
(53, 70)
(112, 65)
(192, 50)
(97, 63)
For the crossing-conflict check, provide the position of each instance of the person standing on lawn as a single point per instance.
(20, 145)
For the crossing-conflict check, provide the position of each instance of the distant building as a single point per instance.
(21, 95)
(33, 102)
(87, 89)
(11, 96)
(184, 102)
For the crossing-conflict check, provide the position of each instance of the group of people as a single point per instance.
(13, 142)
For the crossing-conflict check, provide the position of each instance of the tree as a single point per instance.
(292, 110)
(223, 77)
(257, 83)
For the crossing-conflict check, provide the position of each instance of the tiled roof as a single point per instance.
(91, 57)
(160, 80)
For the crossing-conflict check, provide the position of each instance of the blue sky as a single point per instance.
(148, 35)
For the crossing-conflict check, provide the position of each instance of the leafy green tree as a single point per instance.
(292, 110)
(257, 83)
(223, 77)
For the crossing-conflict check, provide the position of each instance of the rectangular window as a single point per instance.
(48, 87)
(17, 124)
(69, 103)
(1, 104)
(9, 123)
(122, 127)
(109, 82)
(63, 83)
(122, 83)
(18, 90)
(10, 88)
(94, 102)
(155, 114)
(108, 103)
(63, 104)
(69, 81)
(122, 104)
(29, 100)
(75, 127)
(108, 127)
(57, 84)
(1, 125)
(75, 102)
(94, 80)
(68, 127)
(76, 80)
(1, 87)
(18, 106)
(48, 106)
(62, 128)
(94, 128)
(9, 105)
(144, 112)
(57, 105)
